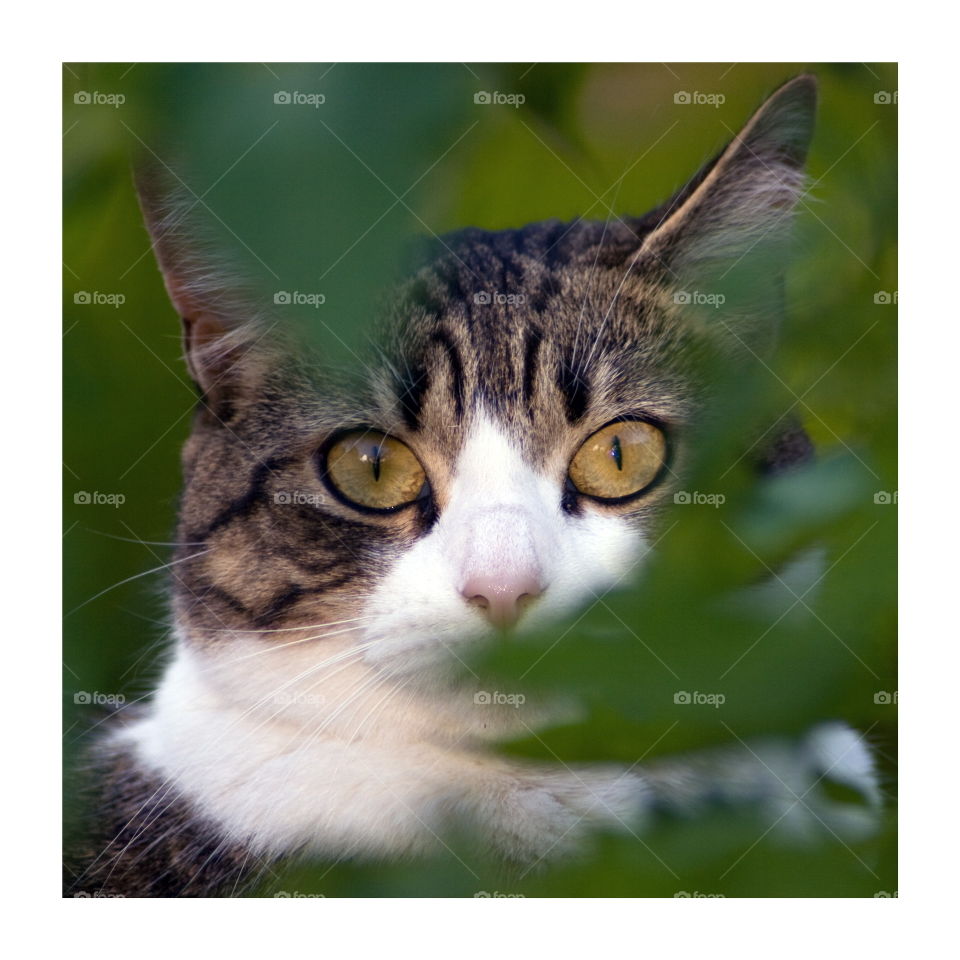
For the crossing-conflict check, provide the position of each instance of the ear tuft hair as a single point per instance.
(219, 323)
(747, 194)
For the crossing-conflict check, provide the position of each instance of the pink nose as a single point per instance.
(502, 598)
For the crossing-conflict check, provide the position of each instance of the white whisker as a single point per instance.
(136, 576)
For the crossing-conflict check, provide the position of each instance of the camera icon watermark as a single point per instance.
(85, 498)
(685, 698)
(485, 298)
(698, 298)
(86, 298)
(685, 98)
(687, 497)
(483, 698)
(697, 895)
(484, 98)
(296, 98)
(497, 895)
(289, 699)
(84, 698)
(885, 297)
(94, 98)
(286, 298)
(885, 497)
(885, 97)
(298, 498)
(885, 698)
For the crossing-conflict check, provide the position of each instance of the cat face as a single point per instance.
(549, 421)
(540, 436)
(506, 457)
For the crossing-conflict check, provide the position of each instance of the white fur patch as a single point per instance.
(318, 740)
(323, 745)
(501, 514)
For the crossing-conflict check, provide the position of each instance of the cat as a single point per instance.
(508, 459)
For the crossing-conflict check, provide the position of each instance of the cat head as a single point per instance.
(506, 455)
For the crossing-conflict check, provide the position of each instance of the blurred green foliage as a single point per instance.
(324, 199)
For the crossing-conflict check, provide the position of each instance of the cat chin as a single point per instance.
(376, 793)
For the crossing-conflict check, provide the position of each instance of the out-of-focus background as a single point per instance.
(315, 178)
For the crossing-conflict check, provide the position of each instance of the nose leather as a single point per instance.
(499, 556)
(502, 597)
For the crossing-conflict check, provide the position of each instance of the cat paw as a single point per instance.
(823, 784)
(827, 784)
(551, 814)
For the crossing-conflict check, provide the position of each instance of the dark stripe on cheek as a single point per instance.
(203, 596)
(243, 506)
(278, 603)
(283, 600)
(456, 368)
(575, 389)
(227, 598)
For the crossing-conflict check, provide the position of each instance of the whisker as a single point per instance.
(392, 691)
(255, 631)
(167, 784)
(293, 643)
(136, 576)
(87, 730)
(147, 543)
(322, 679)
(363, 685)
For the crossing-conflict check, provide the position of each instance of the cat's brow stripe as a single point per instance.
(575, 389)
(548, 289)
(514, 272)
(444, 339)
(410, 397)
(531, 353)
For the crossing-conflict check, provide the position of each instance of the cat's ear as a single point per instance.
(219, 325)
(744, 199)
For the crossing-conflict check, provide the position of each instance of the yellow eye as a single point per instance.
(619, 460)
(373, 470)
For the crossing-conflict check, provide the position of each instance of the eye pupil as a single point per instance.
(638, 449)
(617, 453)
(372, 470)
